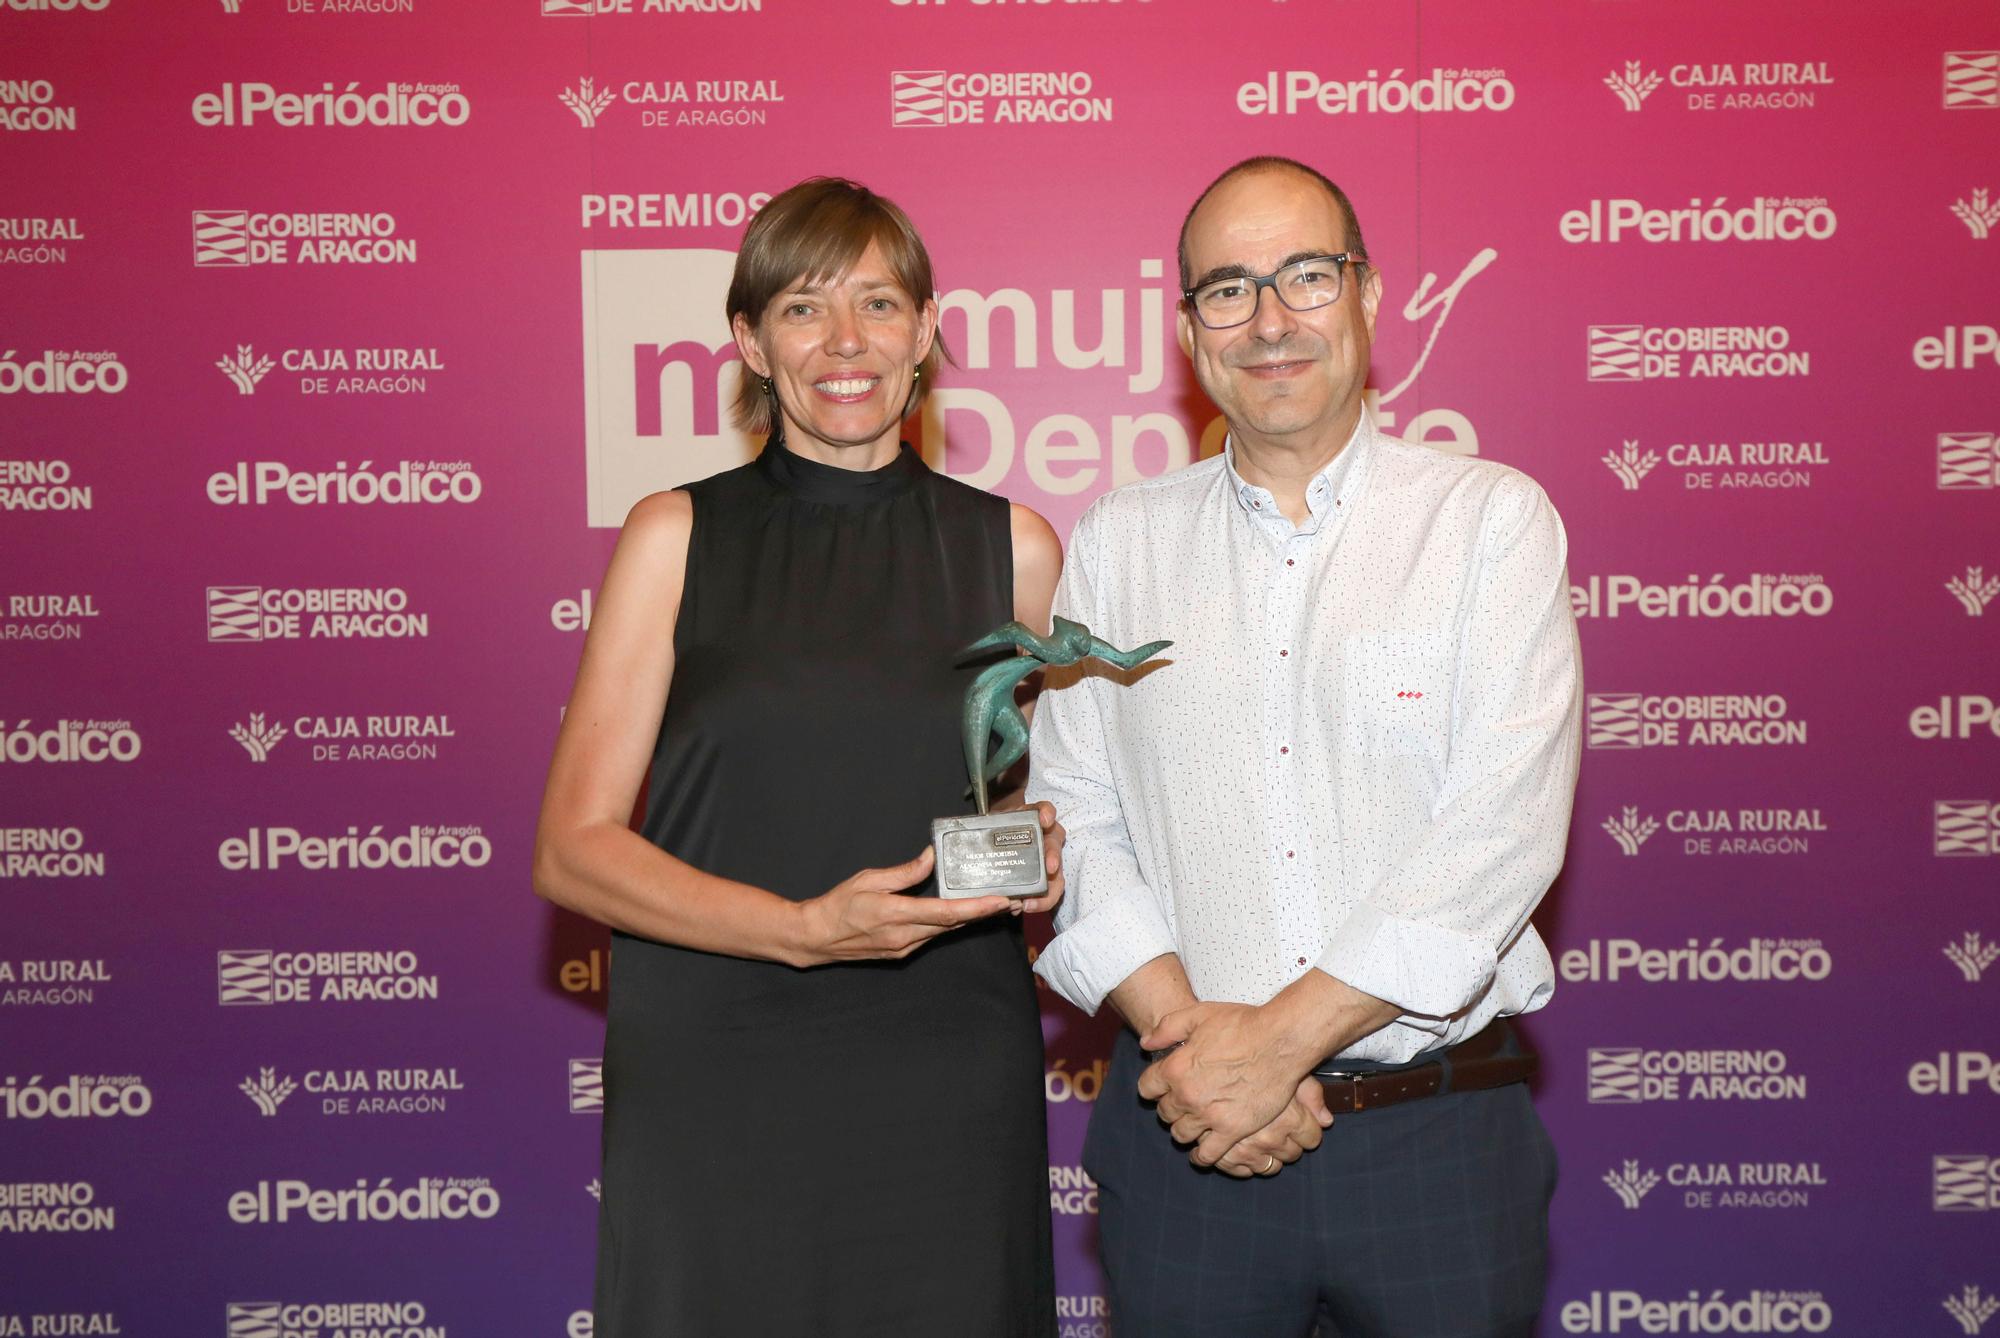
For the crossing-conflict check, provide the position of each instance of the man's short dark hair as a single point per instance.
(1271, 163)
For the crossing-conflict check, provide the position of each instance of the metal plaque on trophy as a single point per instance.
(1000, 854)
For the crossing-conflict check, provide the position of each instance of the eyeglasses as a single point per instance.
(1303, 285)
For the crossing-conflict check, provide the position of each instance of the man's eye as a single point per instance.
(1224, 292)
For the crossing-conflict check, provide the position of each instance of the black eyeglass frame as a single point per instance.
(1341, 261)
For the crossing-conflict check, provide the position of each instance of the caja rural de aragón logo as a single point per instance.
(52, 983)
(41, 240)
(362, 371)
(1721, 465)
(47, 616)
(678, 103)
(1757, 85)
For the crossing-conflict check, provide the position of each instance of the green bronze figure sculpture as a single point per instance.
(1001, 853)
(989, 702)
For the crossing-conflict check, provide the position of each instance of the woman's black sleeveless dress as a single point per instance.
(858, 1148)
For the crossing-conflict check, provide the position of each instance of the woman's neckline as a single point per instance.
(812, 481)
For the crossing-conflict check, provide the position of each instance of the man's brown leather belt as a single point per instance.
(1474, 1064)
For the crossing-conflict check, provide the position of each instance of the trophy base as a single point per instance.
(990, 855)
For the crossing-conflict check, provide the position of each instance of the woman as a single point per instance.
(823, 1103)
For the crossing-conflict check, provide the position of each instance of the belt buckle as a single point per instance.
(1353, 1081)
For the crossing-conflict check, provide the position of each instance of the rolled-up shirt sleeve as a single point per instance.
(1427, 937)
(1110, 922)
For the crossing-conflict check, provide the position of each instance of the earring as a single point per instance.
(768, 389)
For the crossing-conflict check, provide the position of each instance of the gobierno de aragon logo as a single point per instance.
(232, 238)
(242, 613)
(329, 1319)
(258, 977)
(919, 98)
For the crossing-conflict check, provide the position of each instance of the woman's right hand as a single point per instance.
(867, 917)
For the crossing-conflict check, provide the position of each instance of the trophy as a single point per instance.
(1000, 854)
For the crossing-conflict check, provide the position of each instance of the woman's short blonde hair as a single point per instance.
(815, 232)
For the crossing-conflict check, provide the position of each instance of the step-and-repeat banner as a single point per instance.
(338, 337)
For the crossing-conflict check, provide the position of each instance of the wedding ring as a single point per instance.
(1272, 1165)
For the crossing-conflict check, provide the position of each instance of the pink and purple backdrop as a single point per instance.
(339, 335)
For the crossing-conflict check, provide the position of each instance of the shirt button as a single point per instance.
(1289, 854)
(1302, 961)
(1291, 562)
(1282, 750)
(1258, 505)
(1283, 653)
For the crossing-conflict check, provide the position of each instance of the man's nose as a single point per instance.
(1271, 320)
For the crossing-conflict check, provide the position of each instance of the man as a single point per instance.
(1310, 841)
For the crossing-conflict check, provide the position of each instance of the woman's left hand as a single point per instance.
(1053, 837)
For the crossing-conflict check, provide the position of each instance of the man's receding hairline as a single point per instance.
(1271, 164)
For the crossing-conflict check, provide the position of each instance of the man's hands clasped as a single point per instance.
(1231, 1092)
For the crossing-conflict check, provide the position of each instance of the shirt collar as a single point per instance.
(1326, 488)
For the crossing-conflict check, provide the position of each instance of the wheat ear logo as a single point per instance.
(1972, 1310)
(595, 1189)
(1629, 1185)
(1629, 830)
(232, 6)
(1980, 215)
(246, 369)
(1975, 590)
(267, 1090)
(1631, 467)
(1632, 87)
(587, 105)
(1971, 956)
(256, 739)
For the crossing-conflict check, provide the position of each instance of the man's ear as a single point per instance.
(1371, 297)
